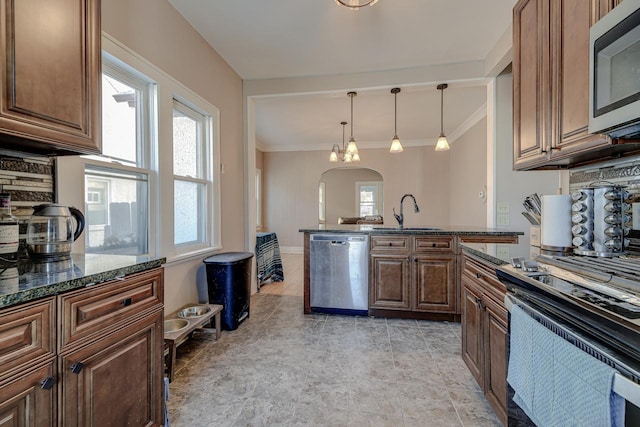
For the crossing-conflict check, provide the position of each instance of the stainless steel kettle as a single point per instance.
(51, 232)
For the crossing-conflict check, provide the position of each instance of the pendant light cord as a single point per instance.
(395, 114)
(441, 111)
(351, 94)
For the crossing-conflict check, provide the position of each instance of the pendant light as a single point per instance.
(352, 148)
(442, 144)
(396, 147)
(336, 150)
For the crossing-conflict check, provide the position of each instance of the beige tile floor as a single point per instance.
(284, 368)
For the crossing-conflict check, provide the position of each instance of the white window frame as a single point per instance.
(258, 199)
(378, 195)
(146, 138)
(204, 175)
(160, 161)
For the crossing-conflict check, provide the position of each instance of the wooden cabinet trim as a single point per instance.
(136, 350)
(384, 243)
(87, 312)
(23, 401)
(433, 243)
(26, 335)
(36, 115)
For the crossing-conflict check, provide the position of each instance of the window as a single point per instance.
(368, 198)
(321, 202)
(117, 182)
(193, 184)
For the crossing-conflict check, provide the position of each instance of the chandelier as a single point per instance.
(342, 152)
(356, 4)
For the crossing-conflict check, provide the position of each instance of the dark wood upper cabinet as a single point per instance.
(51, 76)
(551, 84)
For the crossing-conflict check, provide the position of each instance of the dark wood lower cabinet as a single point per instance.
(390, 282)
(484, 332)
(25, 401)
(115, 381)
(434, 277)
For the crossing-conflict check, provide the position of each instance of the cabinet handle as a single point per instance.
(479, 275)
(433, 245)
(126, 302)
(47, 383)
(415, 260)
(477, 300)
(390, 244)
(77, 367)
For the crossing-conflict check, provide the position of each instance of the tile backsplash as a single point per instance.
(29, 180)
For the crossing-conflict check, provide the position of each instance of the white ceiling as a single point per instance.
(271, 39)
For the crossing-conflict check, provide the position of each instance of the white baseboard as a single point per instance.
(292, 250)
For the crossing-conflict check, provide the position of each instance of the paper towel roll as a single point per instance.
(556, 222)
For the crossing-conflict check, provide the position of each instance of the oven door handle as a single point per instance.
(627, 389)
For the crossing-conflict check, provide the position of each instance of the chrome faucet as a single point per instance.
(400, 218)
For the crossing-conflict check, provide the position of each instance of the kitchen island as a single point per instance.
(414, 272)
(76, 333)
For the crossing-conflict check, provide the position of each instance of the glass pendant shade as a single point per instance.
(333, 157)
(356, 157)
(442, 144)
(352, 148)
(347, 158)
(396, 147)
(356, 4)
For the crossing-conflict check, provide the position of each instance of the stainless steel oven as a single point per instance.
(614, 89)
(594, 304)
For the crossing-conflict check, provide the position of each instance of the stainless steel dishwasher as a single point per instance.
(339, 278)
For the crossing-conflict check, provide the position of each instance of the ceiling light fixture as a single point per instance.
(352, 148)
(442, 144)
(336, 150)
(356, 4)
(396, 147)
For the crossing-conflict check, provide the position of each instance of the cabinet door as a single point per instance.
(50, 75)
(472, 331)
(570, 23)
(390, 282)
(24, 401)
(531, 92)
(495, 357)
(434, 283)
(117, 380)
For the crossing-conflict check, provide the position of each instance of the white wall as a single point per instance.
(512, 187)
(157, 32)
(291, 187)
(340, 191)
(468, 177)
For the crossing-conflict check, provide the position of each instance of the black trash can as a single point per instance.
(229, 284)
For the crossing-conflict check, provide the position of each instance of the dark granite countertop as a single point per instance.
(416, 230)
(475, 249)
(37, 280)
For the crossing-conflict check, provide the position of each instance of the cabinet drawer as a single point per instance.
(485, 277)
(26, 334)
(430, 244)
(106, 306)
(390, 243)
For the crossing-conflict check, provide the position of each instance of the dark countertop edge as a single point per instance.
(33, 294)
(482, 255)
(416, 232)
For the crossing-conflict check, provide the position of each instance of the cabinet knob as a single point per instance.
(433, 245)
(77, 367)
(390, 244)
(47, 383)
(126, 302)
(479, 275)
(478, 300)
(415, 260)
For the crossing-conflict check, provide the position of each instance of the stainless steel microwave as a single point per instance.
(614, 73)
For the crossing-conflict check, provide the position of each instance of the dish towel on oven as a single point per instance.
(557, 384)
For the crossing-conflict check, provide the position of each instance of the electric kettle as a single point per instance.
(51, 232)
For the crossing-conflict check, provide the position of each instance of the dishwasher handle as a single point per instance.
(338, 242)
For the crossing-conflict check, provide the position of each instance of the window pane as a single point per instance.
(119, 114)
(188, 214)
(185, 144)
(116, 212)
